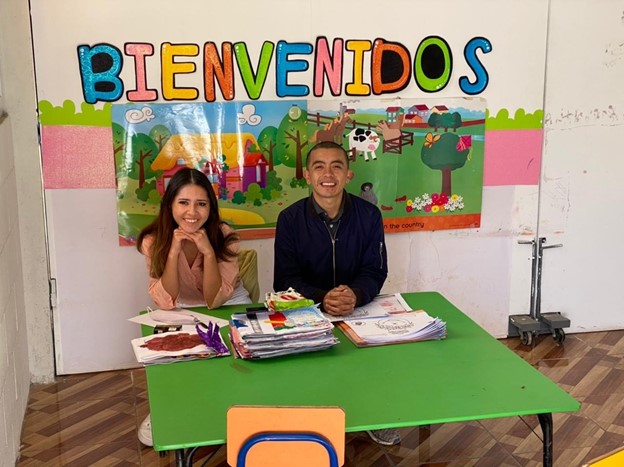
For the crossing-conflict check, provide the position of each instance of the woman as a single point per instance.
(191, 254)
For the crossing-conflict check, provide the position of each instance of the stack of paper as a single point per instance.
(393, 329)
(273, 333)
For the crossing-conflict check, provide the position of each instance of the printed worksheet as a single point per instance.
(406, 327)
(382, 305)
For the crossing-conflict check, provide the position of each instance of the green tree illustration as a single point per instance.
(119, 145)
(443, 155)
(267, 140)
(446, 121)
(160, 134)
(435, 121)
(144, 151)
(456, 121)
(292, 138)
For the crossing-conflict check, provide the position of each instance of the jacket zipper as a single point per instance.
(334, 258)
(380, 255)
(333, 240)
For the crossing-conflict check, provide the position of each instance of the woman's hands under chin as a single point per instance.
(201, 242)
(179, 236)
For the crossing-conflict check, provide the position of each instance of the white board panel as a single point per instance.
(581, 188)
(102, 283)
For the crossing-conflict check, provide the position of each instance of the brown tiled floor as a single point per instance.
(91, 419)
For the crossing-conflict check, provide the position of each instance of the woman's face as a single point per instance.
(190, 208)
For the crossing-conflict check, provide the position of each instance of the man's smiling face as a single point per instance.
(327, 172)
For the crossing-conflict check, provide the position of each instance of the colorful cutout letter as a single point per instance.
(391, 68)
(140, 93)
(285, 66)
(254, 82)
(328, 64)
(433, 64)
(100, 66)
(221, 70)
(357, 87)
(170, 68)
(470, 53)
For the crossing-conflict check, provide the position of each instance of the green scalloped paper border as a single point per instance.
(520, 121)
(88, 115)
(67, 114)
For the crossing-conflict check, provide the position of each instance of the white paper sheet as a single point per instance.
(147, 319)
(382, 305)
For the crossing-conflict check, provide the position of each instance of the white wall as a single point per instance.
(582, 194)
(14, 374)
(24, 314)
(21, 103)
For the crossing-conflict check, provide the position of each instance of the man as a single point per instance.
(330, 246)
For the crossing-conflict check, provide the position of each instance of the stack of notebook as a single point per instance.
(265, 334)
(393, 329)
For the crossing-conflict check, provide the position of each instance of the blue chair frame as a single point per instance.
(279, 437)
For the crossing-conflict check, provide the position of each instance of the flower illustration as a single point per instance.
(435, 203)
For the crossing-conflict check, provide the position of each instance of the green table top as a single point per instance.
(467, 376)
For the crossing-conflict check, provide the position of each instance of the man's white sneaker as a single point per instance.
(145, 431)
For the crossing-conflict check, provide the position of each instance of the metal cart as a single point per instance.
(536, 322)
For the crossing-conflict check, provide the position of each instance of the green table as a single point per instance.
(468, 376)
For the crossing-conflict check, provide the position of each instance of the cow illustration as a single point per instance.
(364, 142)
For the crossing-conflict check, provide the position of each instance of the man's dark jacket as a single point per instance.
(307, 259)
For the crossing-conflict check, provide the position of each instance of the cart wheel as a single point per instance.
(559, 335)
(526, 337)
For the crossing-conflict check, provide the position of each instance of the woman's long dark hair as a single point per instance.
(163, 226)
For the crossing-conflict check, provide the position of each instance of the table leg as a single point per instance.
(189, 456)
(180, 458)
(185, 458)
(546, 422)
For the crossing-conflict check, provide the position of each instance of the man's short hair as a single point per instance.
(326, 145)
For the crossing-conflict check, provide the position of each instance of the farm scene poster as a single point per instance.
(420, 161)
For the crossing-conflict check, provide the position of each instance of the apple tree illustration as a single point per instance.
(443, 153)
